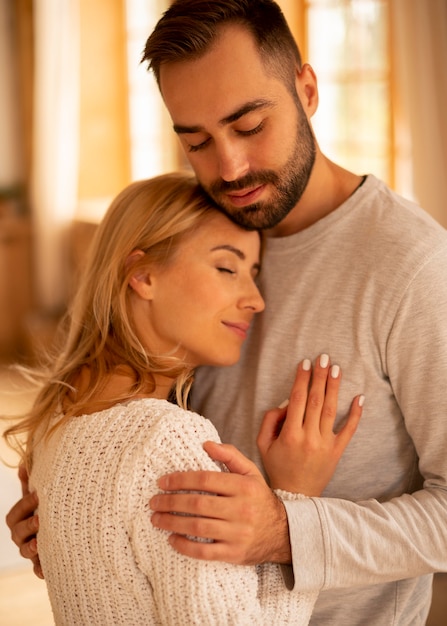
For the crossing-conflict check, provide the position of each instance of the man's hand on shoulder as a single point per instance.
(237, 512)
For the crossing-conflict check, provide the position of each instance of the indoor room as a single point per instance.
(81, 118)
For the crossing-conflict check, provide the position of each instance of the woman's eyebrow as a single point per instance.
(230, 248)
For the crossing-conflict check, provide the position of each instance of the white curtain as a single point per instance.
(419, 39)
(54, 179)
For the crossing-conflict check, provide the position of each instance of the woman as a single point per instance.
(169, 285)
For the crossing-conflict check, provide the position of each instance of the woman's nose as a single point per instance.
(253, 300)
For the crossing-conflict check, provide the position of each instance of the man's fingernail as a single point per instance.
(163, 482)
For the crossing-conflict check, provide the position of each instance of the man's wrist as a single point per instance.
(282, 551)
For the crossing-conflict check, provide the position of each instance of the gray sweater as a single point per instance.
(368, 285)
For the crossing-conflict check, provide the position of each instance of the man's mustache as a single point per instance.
(249, 180)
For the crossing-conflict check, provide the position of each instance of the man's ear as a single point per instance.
(307, 89)
(140, 280)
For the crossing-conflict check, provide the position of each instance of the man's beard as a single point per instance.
(288, 184)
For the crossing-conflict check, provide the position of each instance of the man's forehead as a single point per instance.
(196, 97)
(232, 58)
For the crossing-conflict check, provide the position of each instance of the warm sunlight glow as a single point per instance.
(348, 48)
(151, 137)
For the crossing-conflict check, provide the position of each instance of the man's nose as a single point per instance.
(233, 161)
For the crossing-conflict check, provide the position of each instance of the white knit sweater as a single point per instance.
(104, 562)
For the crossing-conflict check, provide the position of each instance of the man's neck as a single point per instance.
(328, 188)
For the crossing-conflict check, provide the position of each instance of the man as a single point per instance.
(350, 269)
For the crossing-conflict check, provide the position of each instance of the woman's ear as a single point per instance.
(140, 280)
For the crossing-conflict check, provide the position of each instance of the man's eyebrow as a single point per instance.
(237, 252)
(246, 108)
(229, 119)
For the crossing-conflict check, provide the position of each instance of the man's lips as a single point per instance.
(245, 197)
(240, 328)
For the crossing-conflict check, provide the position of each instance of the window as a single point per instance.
(347, 44)
(153, 144)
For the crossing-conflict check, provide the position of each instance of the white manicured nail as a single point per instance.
(335, 371)
(324, 360)
(283, 404)
(306, 365)
(361, 400)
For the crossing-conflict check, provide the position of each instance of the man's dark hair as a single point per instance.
(189, 28)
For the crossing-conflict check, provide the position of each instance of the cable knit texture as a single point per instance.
(104, 562)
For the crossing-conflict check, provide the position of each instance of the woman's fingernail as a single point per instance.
(335, 371)
(306, 365)
(283, 404)
(361, 400)
(324, 360)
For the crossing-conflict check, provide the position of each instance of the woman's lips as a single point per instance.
(240, 328)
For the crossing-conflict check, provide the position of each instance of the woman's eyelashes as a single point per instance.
(225, 270)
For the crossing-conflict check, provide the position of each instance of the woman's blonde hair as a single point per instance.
(98, 332)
